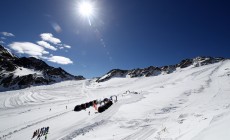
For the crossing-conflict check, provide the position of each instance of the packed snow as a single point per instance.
(188, 104)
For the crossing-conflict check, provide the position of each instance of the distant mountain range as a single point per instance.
(155, 71)
(17, 73)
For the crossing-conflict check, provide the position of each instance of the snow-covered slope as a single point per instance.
(188, 104)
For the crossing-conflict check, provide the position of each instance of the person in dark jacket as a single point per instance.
(47, 130)
(34, 134)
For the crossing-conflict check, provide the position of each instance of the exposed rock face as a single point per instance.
(154, 71)
(39, 72)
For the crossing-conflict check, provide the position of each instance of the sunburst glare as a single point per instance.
(86, 9)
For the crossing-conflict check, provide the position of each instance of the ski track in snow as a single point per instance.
(32, 124)
(189, 101)
(143, 134)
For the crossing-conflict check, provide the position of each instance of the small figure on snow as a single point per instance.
(47, 130)
(46, 137)
(34, 134)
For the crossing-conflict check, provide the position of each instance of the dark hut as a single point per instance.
(105, 106)
(83, 106)
(91, 103)
(77, 108)
(87, 105)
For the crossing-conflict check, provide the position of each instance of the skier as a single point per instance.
(89, 113)
(38, 132)
(41, 131)
(34, 134)
(38, 137)
(46, 137)
(47, 130)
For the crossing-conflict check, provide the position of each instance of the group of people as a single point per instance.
(41, 132)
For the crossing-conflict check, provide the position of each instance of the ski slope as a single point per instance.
(189, 104)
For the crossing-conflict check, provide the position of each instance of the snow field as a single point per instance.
(189, 104)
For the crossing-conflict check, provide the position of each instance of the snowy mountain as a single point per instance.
(192, 103)
(155, 71)
(17, 73)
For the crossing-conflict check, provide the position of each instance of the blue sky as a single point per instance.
(123, 34)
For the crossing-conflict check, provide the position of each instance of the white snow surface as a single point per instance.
(189, 104)
(20, 71)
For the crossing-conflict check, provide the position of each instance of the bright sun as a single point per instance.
(86, 9)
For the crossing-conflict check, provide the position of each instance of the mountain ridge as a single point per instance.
(45, 74)
(155, 71)
(18, 73)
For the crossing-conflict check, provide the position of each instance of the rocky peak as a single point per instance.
(17, 73)
(32, 63)
(112, 73)
(5, 54)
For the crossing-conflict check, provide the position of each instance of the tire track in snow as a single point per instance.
(203, 86)
(142, 134)
(198, 73)
(147, 132)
